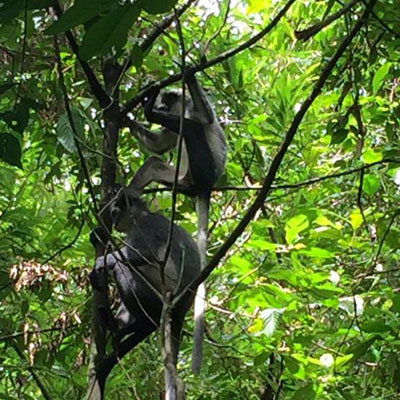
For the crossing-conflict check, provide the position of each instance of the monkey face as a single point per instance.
(171, 102)
(125, 209)
(120, 218)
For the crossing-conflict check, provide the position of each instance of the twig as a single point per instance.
(219, 30)
(158, 30)
(313, 30)
(33, 332)
(35, 376)
(276, 162)
(72, 123)
(171, 379)
(97, 90)
(384, 24)
(206, 64)
(68, 245)
(359, 196)
(289, 185)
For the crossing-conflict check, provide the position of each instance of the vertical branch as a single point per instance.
(171, 378)
(97, 374)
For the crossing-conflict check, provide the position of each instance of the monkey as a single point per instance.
(136, 268)
(203, 161)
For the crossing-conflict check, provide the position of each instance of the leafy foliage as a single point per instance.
(306, 304)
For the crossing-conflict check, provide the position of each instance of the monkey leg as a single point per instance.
(157, 170)
(141, 329)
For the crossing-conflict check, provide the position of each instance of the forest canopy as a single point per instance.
(303, 251)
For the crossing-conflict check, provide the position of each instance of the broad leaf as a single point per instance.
(110, 31)
(81, 12)
(371, 184)
(5, 86)
(380, 76)
(65, 134)
(305, 393)
(158, 6)
(10, 9)
(10, 149)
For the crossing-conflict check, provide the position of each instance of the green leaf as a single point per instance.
(137, 56)
(396, 303)
(111, 30)
(379, 77)
(158, 6)
(360, 349)
(305, 393)
(356, 219)
(378, 325)
(6, 86)
(371, 184)
(339, 136)
(294, 226)
(270, 318)
(37, 4)
(10, 149)
(10, 9)
(370, 156)
(317, 252)
(18, 118)
(81, 12)
(65, 134)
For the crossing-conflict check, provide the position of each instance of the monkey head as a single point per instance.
(125, 208)
(170, 101)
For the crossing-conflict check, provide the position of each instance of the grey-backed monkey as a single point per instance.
(203, 162)
(147, 237)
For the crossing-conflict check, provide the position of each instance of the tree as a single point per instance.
(304, 228)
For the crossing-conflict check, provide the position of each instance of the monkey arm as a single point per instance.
(171, 121)
(124, 255)
(157, 142)
(200, 99)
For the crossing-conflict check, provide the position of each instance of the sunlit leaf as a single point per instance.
(379, 76)
(370, 156)
(294, 226)
(371, 184)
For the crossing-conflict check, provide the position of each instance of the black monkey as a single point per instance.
(203, 162)
(147, 236)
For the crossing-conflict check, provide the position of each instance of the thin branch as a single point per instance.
(313, 30)
(384, 24)
(206, 64)
(219, 30)
(35, 376)
(277, 160)
(68, 245)
(290, 185)
(36, 331)
(359, 198)
(154, 34)
(171, 379)
(97, 89)
(72, 123)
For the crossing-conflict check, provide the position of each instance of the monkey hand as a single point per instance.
(150, 96)
(97, 279)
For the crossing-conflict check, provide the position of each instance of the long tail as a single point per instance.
(202, 209)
